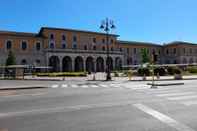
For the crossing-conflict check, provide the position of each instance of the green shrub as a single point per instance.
(159, 70)
(177, 71)
(170, 70)
(192, 69)
(142, 71)
(62, 74)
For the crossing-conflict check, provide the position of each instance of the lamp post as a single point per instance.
(107, 25)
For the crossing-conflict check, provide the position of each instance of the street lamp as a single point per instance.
(107, 25)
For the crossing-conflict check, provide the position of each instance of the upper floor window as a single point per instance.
(63, 37)
(24, 45)
(74, 46)
(174, 50)
(38, 46)
(94, 40)
(103, 41)
(127, 50)
(63, 46)
(112, 41)
(94, 47)
(9, 44)
(167, 51)
(38, 61)
(184, 51)
(190, 51)
(23, 62)
(52, 45)
(85, 47)
(51, 36)
(74, 39)
(135, 50)
(103, 48)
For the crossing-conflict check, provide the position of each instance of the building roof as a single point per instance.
(21, 34)
(74, 30)
(179, 43)
(138, 43)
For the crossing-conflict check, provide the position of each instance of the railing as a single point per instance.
(81, 51)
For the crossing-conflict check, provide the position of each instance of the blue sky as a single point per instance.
(155, 21)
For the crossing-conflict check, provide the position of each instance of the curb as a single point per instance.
(22, 88)
(167, 84)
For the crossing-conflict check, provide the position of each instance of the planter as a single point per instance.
(178, 77)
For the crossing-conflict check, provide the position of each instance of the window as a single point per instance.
(74, 39)
(63, 37)
(63, 46)
(85, 47)
(190, 50)
(23, 62)
(184, 51)
(38, 46)
(51, 36)
(38, 61)
(167, 51)
(94, 47)
(103, 48)
(24, 45)
(174, 50)
(121, 49)
(52, 46)
(9, 44)
(74, 46)
(112, 41)
(94, 40)
(135, 50)
(127, 50)
(103, 40)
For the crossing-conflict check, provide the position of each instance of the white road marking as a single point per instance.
(55, 86)
(94, 86)
(182, 97)
(64, 85)
(176, 94)
(104, 85)
(74, 86)
(84, 86)
(189, 103)
(163, 118)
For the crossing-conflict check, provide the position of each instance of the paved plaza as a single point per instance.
(99, 106)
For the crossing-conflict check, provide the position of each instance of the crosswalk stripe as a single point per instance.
(182, 97)
(189, 103)
(74, 86)
(104, 85)
(176, 94)
(64, 86)
(84, 86)
(55, 86)
(94, 86)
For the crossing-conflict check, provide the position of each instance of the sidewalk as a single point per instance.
(102, 78)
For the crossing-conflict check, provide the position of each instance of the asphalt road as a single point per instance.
(99, 106)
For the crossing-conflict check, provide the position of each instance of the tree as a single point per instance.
(11, 60)
(145, 56)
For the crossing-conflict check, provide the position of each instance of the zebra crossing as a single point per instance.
(113, 85)
(185, 96)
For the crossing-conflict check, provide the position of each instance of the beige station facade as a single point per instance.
(78, 50)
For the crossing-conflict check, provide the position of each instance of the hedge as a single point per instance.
(192, 69)
(60, 74)
(142, 71)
